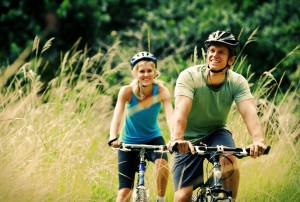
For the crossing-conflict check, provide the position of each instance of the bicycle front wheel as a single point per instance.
(141, 194)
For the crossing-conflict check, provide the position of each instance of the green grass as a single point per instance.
(54, 144)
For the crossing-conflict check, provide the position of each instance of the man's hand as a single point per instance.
(257, 149)
(182, 146)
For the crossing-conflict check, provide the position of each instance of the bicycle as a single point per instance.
(141, 192)
(212, 190)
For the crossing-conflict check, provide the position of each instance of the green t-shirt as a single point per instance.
(210, 106)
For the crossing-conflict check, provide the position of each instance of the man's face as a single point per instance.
(218, 57)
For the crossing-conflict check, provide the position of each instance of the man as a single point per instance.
(203, 98)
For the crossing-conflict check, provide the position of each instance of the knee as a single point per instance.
(183, 195)
(161, 163)
(124, 194)
(230, 169)
(229, 163)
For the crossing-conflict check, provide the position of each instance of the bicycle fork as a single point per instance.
(141, 193)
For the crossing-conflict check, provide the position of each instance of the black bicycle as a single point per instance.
(141, 192)
(212, 190)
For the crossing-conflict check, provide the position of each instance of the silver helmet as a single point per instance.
(142, 56)
(225, 38)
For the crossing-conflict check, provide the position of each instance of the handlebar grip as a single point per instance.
(267, 150)
(174, 148)
(111, 141)
(165, 147)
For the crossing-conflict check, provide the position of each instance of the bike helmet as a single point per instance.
(143, 56)
(224, 38)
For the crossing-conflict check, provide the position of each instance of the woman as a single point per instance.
(142, 100)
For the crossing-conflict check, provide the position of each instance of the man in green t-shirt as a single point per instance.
(204, 95)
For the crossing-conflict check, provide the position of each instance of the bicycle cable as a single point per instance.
(219, 163)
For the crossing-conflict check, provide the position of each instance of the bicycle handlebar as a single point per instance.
(238, 152)
(199, 150)
(138, 147)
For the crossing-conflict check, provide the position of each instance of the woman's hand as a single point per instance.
(114, 143)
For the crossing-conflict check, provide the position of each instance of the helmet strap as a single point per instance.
(220, 70)
(217, 71)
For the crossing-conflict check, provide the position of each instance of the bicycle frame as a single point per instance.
(142, 168)
(141, 193)
(212, 190)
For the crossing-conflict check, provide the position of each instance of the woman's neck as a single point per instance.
(147, 90)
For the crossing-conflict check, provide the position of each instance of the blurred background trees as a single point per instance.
(58, 90)
(175, 28)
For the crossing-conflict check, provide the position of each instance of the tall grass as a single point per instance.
(54, 138)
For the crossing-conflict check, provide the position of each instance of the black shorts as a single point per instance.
(128, 162)
(188, 169)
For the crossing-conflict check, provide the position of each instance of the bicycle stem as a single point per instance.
(217, 175)
(141, 176)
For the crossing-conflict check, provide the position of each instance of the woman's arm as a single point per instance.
(168, 108)
(123, 97)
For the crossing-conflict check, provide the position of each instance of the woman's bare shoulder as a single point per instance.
(163, 92)
(126, 88)
(162, 88)
(125, 92)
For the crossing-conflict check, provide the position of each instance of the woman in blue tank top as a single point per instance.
(141, 102)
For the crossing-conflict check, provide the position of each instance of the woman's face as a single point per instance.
(145, 73)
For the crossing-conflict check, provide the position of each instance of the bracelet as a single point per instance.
(111, 141)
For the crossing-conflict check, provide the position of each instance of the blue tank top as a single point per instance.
(141, 124)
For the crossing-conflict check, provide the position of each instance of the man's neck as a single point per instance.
(215, 79)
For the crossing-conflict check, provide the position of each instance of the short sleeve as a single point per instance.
(243, 90)
(184, 85)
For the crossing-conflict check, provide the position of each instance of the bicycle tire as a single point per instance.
(196, 199)
(199, 197)
(141, 194)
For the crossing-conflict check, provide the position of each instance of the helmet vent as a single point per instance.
(143, 56)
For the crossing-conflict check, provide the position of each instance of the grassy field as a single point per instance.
(53, 138)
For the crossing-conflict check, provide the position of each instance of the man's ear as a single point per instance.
(231, 60)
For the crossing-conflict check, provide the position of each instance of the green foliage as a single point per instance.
(175, 27)
(278, 21)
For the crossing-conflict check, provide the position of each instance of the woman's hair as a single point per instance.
(135, 84)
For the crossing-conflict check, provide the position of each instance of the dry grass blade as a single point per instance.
(47, 45)
(11, 69)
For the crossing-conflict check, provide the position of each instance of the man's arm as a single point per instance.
(248, 111)
(182, 109)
